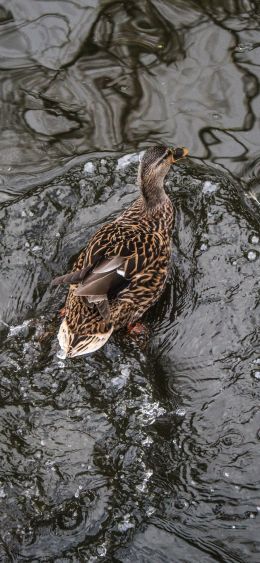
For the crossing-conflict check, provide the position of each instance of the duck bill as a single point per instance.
(185, 152)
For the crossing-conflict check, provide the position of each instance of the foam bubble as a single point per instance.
(180, 411)
(149, 412)
(101, 550)
(2, 492)
(61, 354)
(252, 255)
(19, 329)
(126, 160)
(254, 239)
(209, 187)
(147, 441)
(120, 380)
(89, 168)
(150, 511)
(126, 524)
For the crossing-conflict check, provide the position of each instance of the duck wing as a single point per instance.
(99, 272)
(98, 282)
(106, 278)
(73, 277)
(115, 256)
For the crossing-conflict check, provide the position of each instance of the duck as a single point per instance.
(124, 268)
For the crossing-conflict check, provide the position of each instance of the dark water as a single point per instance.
(88, 76)
(143, 452)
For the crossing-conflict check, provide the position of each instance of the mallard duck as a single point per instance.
(124, 268)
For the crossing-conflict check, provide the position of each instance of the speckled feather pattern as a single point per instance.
(144, 238)
(124, 268)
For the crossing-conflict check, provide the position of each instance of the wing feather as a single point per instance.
(116, 256)
(109, 265)
(98, 284)
(73, 277)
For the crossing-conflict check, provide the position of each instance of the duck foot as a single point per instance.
(138, 329)
(62, 312)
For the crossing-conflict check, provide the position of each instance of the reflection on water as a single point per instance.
(89, 76)
(137, 453)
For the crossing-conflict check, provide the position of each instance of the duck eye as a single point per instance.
(178, 153)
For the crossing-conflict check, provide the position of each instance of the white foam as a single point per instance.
(142, 487)
(126, 160)
(180, 411)
(61, 355)
(147, 441)
(126, 524)
(251, 255)
(209, 187)
(89, 167)
(102, 550)
(150, 510)
(121, 379)
(149, 412)
(18, 329)
(2, 492)
(77, 493)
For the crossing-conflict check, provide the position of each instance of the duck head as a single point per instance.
(155, 164)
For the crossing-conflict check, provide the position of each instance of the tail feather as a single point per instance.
(78, 345)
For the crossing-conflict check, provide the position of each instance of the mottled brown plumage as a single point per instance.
(124, 268)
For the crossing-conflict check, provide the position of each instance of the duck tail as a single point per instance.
(77, 345)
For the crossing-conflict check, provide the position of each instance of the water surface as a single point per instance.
(143, 451)
(88, 76)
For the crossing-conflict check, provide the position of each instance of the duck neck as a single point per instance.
(153, 192)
